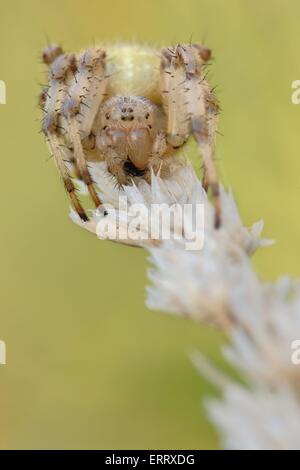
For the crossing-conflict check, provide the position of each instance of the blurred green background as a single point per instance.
(88, 365)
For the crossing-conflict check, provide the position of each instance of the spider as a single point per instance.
(131, 106)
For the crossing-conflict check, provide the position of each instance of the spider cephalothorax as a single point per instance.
(128, 129)
(131, 107)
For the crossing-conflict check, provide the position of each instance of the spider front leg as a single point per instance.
(81, 105)
(62, 69)
(191, 108)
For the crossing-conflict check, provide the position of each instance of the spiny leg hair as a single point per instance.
(191, 107)
(70, 103)
(62, 69)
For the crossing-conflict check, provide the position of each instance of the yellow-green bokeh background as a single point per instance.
(88, 365)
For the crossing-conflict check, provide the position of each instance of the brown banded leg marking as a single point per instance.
(59, 158)
(187, 96)
(81, 106)
(61, 72)
(81, 159)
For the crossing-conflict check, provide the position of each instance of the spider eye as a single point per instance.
(107, 115)
(147, 116)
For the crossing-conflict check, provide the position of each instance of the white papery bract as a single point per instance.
(200, 283)
(265, 412)
(257, 419)
(266, 326)
(183, 189)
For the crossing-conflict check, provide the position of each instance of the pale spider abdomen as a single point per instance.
(134, 71)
